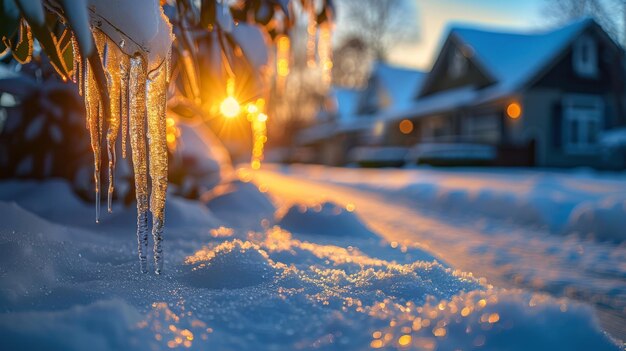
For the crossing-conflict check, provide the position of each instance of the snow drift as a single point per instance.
(562, 202)
(74, 288)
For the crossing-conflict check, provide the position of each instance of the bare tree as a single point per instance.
(350, 68)
(602, 11)
(619, 6)
(380, 24)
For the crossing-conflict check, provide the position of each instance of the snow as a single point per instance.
(347, 101)
(516, 58)
(204, 159)
(324, 219)
(400, 84)
(456, 151)
(563, 202)
(252, 42)
(614, 138)
(135, 27)
(507, 249)
(434, 103)
(69, 284)
(240, 203)
(378, 154)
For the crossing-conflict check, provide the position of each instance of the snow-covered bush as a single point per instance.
(199, 162)
(43, 134)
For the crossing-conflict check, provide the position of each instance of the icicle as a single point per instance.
(258, 119)
(283, 47)
(76, 71)
(168, 66)
(312, 34)
(137, 122)
(83, 72)
(325, 53)
(96, 118)
(124, 74)
(157, 136)
(259, 130)
(112, 68)
(93, 124)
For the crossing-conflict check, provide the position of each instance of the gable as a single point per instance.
(565, 70)
(455, 67)
(389, 87)
(369, 97)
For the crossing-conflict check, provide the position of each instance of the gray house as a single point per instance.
(500, 98)
(351, 121)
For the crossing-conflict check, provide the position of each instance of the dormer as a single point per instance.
(585, 56)
(456, 67)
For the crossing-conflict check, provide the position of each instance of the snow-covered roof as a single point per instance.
(435, 103)
(402, 84)
(347, 101)
(515, 58)
(512, 59)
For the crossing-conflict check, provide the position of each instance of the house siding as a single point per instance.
(542, 122)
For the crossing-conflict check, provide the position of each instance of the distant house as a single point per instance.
(492, 97)
(500, 98)
(352, 119)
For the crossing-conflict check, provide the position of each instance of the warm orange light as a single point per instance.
(230, 107)
(262, 117)
(252, 108)
(404, 340)
(406, 126)
(514, 110)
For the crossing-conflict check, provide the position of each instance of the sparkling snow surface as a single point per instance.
(322, 266)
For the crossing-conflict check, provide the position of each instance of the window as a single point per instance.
(482, 128)
(457, 65)
(582, 123)
(585, 57)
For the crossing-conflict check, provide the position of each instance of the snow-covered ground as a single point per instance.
(576, 202)
(321, 266)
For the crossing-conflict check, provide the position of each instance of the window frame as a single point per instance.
(585, 57)
(458, 64)
(583, 110)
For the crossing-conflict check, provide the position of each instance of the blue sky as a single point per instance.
(435, 15)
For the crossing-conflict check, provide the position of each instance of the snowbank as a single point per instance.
(240, 203)
(604, 219)
(200, 161)
(231, 265)
(324, 219)
(74, 288)
(562, 202)
(103, 325)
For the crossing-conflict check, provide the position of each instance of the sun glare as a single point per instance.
(230, 107)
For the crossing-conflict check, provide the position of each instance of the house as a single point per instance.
(540, 99)
(351, 120)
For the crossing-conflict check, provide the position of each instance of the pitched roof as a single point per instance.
(511, 59)
(347, 100)
(400, 83)
(515, 58)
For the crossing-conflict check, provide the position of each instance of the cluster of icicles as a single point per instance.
(259, 138)
(319, 42)
(138, 108)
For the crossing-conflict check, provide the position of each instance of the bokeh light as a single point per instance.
(514, 110)
(230, 107)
